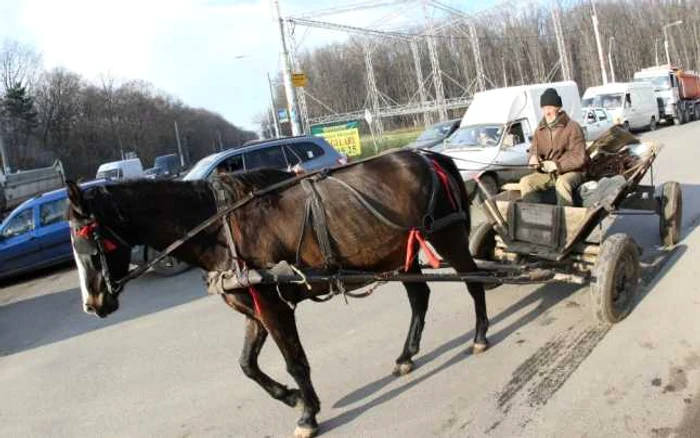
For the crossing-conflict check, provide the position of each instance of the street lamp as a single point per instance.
(612, 69)
(675, 23)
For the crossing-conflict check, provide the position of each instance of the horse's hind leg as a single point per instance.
(255, 336)
(418, 296)
(453, 244)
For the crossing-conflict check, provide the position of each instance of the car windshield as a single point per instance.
(200, 170)
(109, 174)
(476, 136)
(660, 82)
(607, 101)
(435, 132)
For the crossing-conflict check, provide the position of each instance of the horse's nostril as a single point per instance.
(89, 308)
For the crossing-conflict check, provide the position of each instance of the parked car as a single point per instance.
(632, 105)
(36, 235)
(164, 166)
(298, 154)
(433, 137)
(121, 170)
(596, 121)
(495, 135)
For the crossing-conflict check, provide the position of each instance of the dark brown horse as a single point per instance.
(400, 187)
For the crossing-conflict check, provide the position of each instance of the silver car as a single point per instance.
(596, 121)
(296, 154)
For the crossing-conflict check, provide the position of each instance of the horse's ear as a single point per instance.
(75, 196)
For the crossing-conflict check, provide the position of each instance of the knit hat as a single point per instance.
(550, 97)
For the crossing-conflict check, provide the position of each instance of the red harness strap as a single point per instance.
(256, 299)
(413, 237)
(445, 182)
(86, 233)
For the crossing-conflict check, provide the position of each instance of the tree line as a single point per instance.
(517, 45)
(58, 114)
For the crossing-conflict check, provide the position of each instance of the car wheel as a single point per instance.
(652, 124)
(169, 266)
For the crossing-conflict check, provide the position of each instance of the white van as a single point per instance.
(497, 129)
(632, 105)
(120, 170)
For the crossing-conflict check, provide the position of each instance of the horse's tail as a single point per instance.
(451, 168)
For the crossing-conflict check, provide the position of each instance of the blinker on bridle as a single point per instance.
(90, 242)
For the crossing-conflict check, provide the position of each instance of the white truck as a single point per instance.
(632, 105)
(496, 132)
(677, 92)
(17, 187)
(121, 170)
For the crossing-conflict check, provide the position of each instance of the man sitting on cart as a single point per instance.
(558, 151)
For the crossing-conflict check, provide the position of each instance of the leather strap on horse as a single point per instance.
(316, 214)
(222, 195)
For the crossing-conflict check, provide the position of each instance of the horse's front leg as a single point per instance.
(255, 336)
(418, 296)
(279, 320)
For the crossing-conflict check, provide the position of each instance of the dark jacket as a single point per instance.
(563, 143)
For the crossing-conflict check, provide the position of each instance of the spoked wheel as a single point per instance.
(168, 266)
(616, 279)
(670, 213)
(482, 245)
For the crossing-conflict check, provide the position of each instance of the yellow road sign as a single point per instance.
(299, 79)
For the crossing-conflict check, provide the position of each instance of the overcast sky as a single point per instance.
(212, 54)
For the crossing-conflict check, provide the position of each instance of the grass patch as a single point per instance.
(390, 140)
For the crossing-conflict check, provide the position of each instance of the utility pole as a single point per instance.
(434, 61)
(179, 145)
(373, 91)
(427, 116)
(287, 73)
(481, 85)
(612, 69)
(5, 166)
(561, 44)
(275, 123)
(675, 23)
(601, 57)
(656, 50)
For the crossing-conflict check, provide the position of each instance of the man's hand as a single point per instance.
(549, 166)
(533, 161)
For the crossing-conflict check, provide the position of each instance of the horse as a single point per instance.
(362, 204)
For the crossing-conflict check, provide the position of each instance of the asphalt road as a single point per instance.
(166, 363)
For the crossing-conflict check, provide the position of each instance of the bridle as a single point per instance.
(97, 245)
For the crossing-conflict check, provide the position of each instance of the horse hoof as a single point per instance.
(401, 369)
(479, 348)
(305, 432)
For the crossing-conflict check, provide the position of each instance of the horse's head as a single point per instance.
(102, 256)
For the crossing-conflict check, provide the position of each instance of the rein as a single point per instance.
(135, 273)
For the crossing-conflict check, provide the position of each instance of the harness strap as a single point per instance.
(317, 215)
(223, 198)
(368, 206)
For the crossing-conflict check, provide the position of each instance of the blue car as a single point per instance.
(36, 235)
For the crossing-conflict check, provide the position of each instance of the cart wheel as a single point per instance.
(169, 266)
(491, 186)
(482, 245)
(670, 213)
(615, 278)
